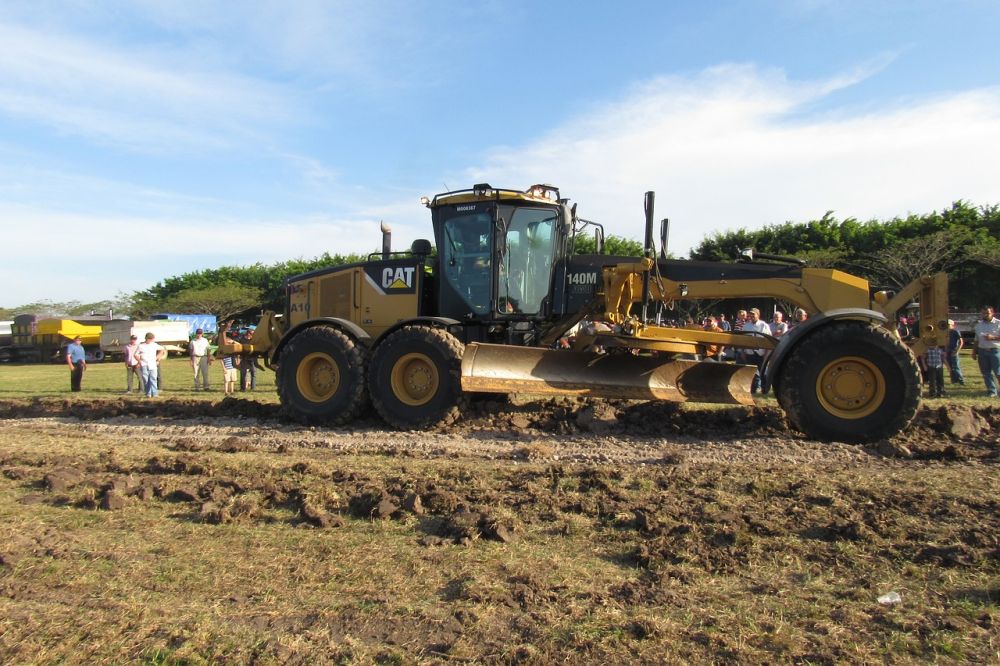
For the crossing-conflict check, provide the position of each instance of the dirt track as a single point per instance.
(569, 430)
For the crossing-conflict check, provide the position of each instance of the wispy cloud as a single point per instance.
(731, 147)
(129, 97)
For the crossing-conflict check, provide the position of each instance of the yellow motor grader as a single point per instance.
(415, 333)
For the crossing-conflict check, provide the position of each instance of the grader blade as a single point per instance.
(505, 369)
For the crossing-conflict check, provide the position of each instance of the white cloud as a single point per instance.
(736, 147)
(733, 146)
(129, 97)
(87, 257)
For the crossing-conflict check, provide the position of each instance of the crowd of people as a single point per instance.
(142, 360)
(933, 362)
(985, 351)
(142, 364)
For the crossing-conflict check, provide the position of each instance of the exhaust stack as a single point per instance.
(386, 240)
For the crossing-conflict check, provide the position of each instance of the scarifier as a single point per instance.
(415, 333)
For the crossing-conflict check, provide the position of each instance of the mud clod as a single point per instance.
(184, 494)
(956, 555)
(113, 500)
(62, 479)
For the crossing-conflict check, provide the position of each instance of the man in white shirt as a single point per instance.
(149, 354)
(200, 359)
(986, 349)
(755, 356)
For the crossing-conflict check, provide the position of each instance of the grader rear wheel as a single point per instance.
(415, 378)
(850, 381)
(321, 377)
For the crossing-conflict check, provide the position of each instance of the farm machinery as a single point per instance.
(417, 333)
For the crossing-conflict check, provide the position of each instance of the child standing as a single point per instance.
(934, 361)
(229, 363)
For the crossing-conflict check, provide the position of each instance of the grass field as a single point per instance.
(108, 379)
(128, 537)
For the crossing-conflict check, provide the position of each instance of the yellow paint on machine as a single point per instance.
(351, 294)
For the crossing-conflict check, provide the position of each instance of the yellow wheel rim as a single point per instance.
(850, 387)
(414, 379)
(317, 377)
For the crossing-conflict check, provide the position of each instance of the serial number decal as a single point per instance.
(462, 209)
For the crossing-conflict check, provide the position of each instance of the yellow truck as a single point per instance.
(36, 340)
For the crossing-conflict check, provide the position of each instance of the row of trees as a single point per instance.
(963, 240)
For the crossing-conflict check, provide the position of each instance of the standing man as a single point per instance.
(798, 317)
(248, 366)
(723, 324)
(76, 359)
(779, 326)
(755, 356)
(132, 363)
(200, 359)
(987, 349)
(149, 354)
(955, 344)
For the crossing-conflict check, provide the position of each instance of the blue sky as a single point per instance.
(146, 139)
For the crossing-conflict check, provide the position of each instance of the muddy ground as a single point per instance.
(603, 430)
(558, 530)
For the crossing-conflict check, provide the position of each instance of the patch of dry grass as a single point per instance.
(690, 562)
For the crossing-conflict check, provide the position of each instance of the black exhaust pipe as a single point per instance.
(648, 251)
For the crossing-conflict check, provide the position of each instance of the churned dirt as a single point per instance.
(534, 531)
(571, 429)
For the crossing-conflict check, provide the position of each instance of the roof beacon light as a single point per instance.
(543, 191)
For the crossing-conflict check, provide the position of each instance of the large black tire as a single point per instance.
(321, 377)
(849, 381)
(415, 378)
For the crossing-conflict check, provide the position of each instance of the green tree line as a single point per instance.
(963, 240)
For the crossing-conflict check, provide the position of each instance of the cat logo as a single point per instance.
(398, 278)
(392, 279)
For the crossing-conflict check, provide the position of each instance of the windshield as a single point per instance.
(525, 272)
(466, 259)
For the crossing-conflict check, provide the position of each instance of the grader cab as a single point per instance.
(415, 333)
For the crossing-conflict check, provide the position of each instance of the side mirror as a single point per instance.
(421, 248)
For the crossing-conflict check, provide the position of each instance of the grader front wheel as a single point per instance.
(850, 381)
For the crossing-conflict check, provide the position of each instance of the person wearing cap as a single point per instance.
(76, 359)
(200, 359)
(149, 355)
(955, 345)
(132, 364)
(754, 324)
